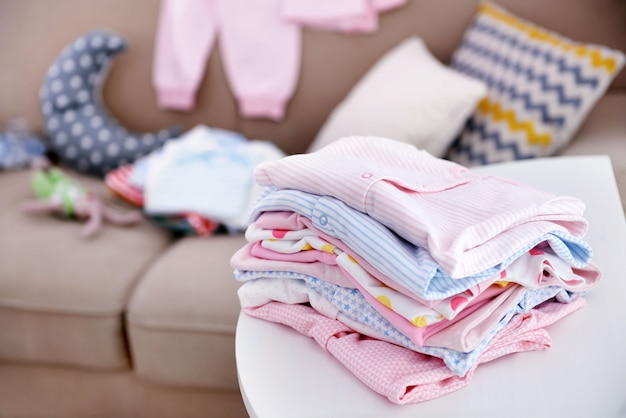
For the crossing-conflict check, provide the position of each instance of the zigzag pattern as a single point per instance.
(540, 87)
(597, 60)
(512, 92)
(518, 68)
(545, 36)
(542, 79)
(515, 125)
(468, 150)
(524, 47)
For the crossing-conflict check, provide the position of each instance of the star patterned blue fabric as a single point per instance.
(353, 305)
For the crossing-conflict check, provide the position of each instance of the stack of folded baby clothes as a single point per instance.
(410, 270)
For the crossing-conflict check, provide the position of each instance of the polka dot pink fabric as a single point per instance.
(402, 375)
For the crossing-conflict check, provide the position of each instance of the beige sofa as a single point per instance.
(136, 323)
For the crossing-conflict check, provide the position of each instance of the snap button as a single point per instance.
(323, 220)
(366, 175)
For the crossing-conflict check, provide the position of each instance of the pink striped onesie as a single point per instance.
(468, 223)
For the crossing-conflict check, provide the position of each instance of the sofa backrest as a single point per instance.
(33, 32)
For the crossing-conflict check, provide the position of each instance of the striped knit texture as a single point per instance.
(541, 86)
(461, 219)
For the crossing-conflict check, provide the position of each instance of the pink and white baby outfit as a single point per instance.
(461, 218)
(260, 45)
(358, 208)
(285, 236)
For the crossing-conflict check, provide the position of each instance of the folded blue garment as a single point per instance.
(19, 150)
(407, 264)
(352, 304)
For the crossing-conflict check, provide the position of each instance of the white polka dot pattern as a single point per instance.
(402, 375)
(84, 134)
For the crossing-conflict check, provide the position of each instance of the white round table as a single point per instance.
(285, 374)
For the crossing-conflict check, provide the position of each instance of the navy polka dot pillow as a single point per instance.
(82, 132)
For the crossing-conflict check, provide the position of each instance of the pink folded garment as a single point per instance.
(459, 217)
(402, 375)
(460, 322)
(350, 16)
(245, 260)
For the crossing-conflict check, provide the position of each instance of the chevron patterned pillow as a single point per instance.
(541, 86)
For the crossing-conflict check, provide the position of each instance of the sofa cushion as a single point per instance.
(541, 87)
(183, 314)
(83, 132)
(407, 95)
(62, 297)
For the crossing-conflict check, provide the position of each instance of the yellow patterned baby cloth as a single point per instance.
(541, 86)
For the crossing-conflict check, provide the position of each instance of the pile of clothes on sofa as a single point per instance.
(197, 182)
(410, 270)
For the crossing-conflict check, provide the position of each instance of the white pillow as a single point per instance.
(407, 95)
